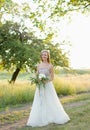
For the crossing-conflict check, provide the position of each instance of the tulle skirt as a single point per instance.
(46, 108)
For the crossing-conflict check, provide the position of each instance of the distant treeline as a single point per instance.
(76, 71)
(63, 71)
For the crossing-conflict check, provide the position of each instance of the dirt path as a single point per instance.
(22, 122)
(15, 125)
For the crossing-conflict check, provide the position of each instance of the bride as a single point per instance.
(46, 107)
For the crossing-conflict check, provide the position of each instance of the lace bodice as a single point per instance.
(44, 71)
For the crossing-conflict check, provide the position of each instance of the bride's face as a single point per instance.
(44, 56)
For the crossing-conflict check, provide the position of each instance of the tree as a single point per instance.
(17, 40)
(19, 50)
(40, 12)
(14, 52)
(63, 7)
(41, 15)
(1, 3)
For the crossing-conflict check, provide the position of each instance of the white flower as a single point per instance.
(42, 76)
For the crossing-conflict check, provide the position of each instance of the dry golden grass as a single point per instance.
(22, 91)
(72, 84)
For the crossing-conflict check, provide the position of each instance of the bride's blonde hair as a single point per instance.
(48, 52)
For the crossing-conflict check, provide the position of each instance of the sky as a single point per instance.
(78, 32)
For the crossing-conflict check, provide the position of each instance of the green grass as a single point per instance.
(77, 107)
(13, 116)
(7, 75)
(79, 115)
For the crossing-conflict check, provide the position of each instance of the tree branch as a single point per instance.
(87, 5)
(79, 8)
(68, 10)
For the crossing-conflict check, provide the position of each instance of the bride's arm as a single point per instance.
(37, 69)
(51, 72)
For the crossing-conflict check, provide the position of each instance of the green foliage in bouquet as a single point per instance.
(39, 80)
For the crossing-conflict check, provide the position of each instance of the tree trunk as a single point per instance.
(14, 76)
(16, 72)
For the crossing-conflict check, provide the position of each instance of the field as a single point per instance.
(16, 99)
(23, 92)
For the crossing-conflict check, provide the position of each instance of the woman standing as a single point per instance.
(46, 106)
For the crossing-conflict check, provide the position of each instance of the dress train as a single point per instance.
(46, 108)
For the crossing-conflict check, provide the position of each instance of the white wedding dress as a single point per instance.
(46, 107)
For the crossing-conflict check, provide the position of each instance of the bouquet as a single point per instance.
(39, 80)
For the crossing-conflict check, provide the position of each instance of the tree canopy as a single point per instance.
(23, 49)
(27, 28)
